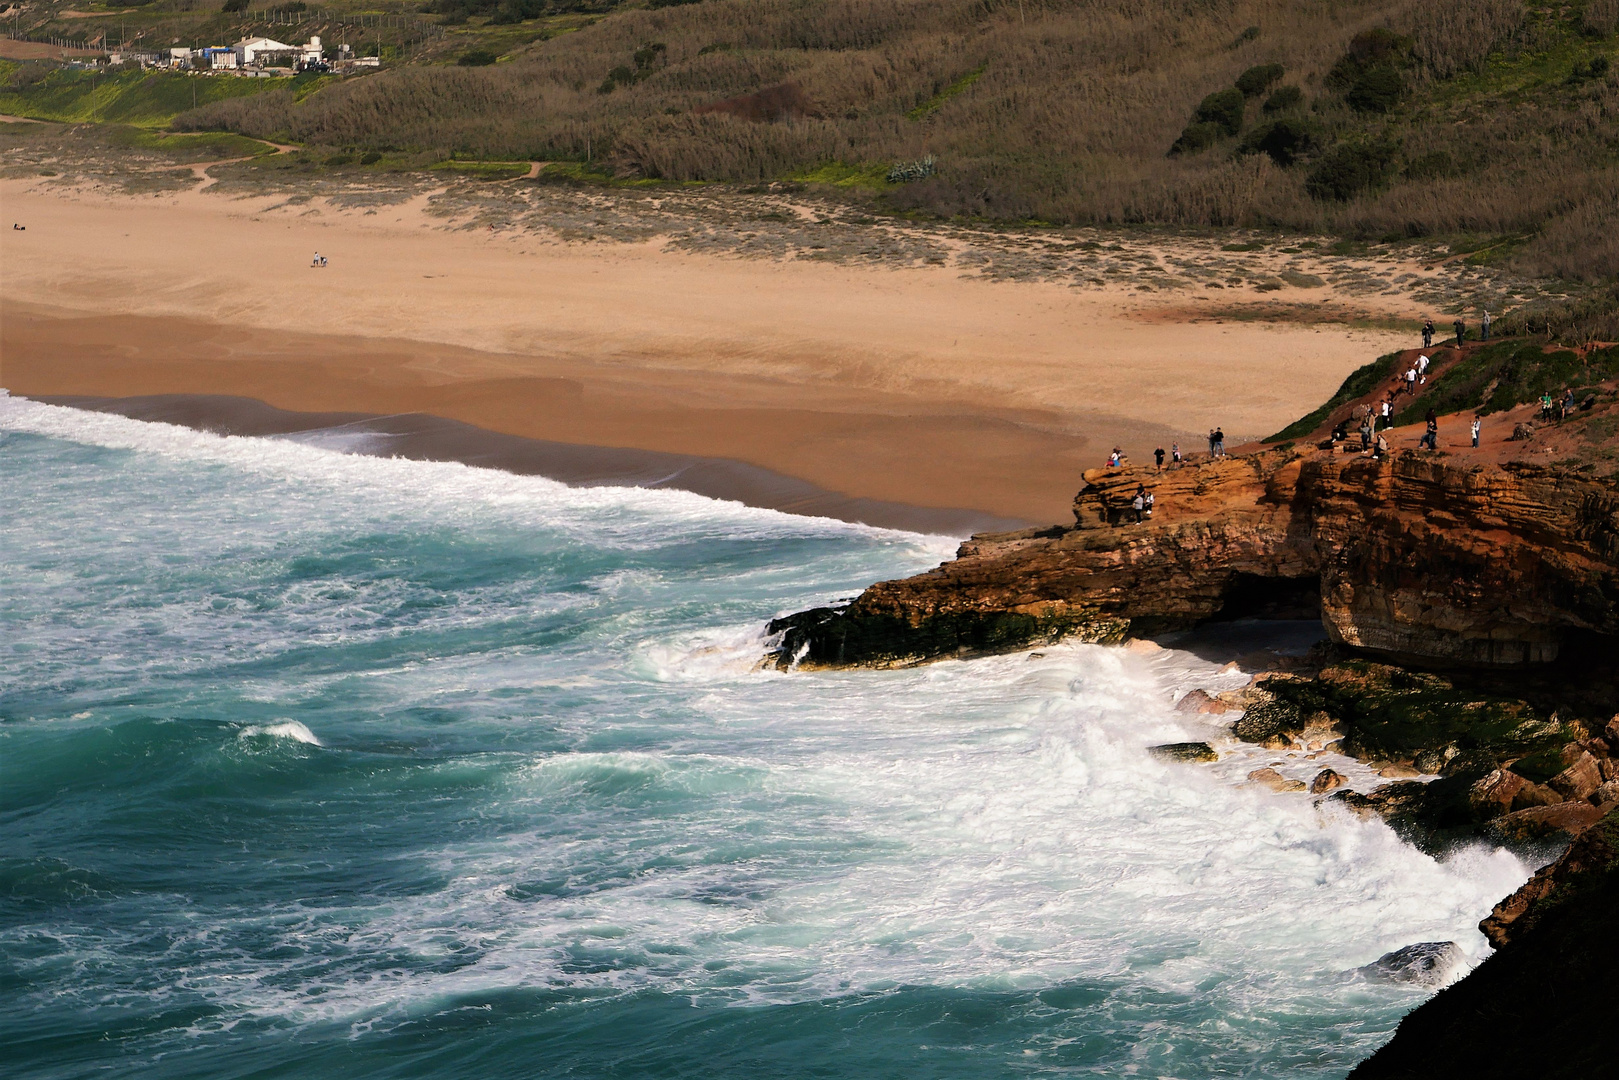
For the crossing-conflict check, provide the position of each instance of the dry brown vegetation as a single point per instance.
(1061, 110)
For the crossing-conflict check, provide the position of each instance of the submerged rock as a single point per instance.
(1427, 963)
(1274, 780)
(1184, 751)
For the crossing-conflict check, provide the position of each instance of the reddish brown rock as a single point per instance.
(1579, 780)
(1531, 795)
(1595, 850)
(1540, 822)
(1493, 795)
(1274, 780)
(1197, 701)
(1326, 780)
(1410, 557)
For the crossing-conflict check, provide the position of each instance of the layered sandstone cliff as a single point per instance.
(1420, 558)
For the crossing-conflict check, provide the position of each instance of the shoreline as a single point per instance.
(424, 437)
(889, 380)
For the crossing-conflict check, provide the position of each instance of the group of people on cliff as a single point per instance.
(1461, 330)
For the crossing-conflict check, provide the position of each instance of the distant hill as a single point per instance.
(1369, 119)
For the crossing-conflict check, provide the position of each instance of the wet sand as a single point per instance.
(422, 437)
(909, 385)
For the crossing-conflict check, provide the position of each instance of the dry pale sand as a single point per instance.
(913, 384)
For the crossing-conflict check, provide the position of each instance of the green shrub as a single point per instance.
(1223, 108)
(233, 6)
(1378, 90)
(1367, 50)
(477, 58)
(1284, 98)
(1196, 138)
(1349, 169)
(1286, 140)
(1435, 165)
(1508, 373)
(370, 157)
(1256, 80)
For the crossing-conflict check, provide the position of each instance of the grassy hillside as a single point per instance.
(145, 99)
(1491, 119)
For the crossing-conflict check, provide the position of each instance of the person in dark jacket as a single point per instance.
(1461, 332)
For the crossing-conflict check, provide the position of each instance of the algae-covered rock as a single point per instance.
(1266, 716)
(1184, 751)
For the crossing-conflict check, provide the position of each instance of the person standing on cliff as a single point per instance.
(1219, 442)
(1159, 455)
(1147, 499)
(1427, 333)
(1139, 503)
(1175, 453)
(1484, 326)
(1211, 442)
(1477, 423)
(1461, 332)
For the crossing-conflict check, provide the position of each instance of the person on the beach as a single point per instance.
(1484, 326)
(1158, 455)
(1139, 503)
(1461, 332)
(1427, 333)
(1477, 423)
(1175, 453)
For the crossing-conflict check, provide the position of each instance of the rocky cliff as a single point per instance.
(1420, 558)
(1539, 1005)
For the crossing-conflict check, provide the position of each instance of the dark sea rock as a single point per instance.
(1427, 963)
(1184, 751)
(1543, 1005)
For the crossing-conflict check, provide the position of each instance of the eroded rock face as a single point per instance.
(1595, 852)
(1411, 558)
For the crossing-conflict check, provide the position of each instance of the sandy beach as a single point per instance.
(916, 384)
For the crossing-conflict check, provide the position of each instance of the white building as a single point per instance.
(309, 52)
(251, 51)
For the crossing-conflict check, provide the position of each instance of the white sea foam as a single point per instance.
(287, 729)
(607, 515)
(689, 824)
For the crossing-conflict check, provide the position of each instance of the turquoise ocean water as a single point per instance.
(316, 764)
